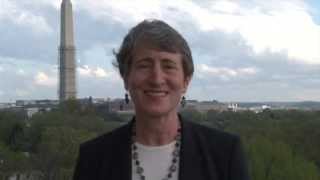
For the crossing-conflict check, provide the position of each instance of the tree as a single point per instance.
(58, 150)
(272, 160)
(12, 162)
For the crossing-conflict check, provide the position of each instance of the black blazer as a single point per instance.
(206, 154)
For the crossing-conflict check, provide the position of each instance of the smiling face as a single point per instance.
(156, 81)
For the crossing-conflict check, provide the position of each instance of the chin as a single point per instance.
(156, 111)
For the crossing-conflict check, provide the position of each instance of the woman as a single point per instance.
(156, 65)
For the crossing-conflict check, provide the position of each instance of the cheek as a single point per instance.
(134, 82)
(180, 81)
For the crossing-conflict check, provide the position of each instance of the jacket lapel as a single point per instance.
(195, 161)
(117, 162)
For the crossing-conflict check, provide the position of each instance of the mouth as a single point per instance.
(156, 93)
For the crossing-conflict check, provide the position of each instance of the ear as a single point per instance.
(186, 83)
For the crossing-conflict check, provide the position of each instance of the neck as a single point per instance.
(156, 131)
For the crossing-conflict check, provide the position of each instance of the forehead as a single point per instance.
(160, 44)
(151, 53)
(146, 49)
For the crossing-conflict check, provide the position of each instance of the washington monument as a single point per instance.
(67, 64)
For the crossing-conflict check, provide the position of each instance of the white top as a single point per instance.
(155, 161)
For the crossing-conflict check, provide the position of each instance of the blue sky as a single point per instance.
(246, 50)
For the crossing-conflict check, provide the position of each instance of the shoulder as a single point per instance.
(105, 141)
(95, 152)
(223, 149)
(211, 133)
(218, 141)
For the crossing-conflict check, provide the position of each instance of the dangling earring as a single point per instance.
(183, 101)
(126, 98)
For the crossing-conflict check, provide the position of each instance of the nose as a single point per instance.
(157, 75)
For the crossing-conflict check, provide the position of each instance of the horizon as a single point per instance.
(118, 98)
(244, 51)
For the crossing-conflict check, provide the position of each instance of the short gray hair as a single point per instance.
(159, 34)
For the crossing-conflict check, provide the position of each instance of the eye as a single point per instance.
(143, 65)
(170, 65)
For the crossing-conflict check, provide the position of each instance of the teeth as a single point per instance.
(156, 93)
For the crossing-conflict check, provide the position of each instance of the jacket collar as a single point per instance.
(116, 163)
(190, 162)
(193, 155)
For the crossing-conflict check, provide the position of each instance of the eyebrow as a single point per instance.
(169, 61)
(149, 59)
(145, 59)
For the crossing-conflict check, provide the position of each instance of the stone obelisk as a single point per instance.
(67, 63)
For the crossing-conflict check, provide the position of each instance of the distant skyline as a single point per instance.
(246, 50)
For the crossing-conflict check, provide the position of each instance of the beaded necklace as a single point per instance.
(175, 155)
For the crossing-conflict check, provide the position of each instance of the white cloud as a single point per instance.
(277, 26)
(43, 79)
(97, 55)
(25, 79)
(54, 3)
(285, 27)
(92, 72)
(21, 72)
(11, 10)
(122, 11)
(22, 93)
(84, 70)
(248, 71)
(224, 6)
(224, 73)
(97, 72)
